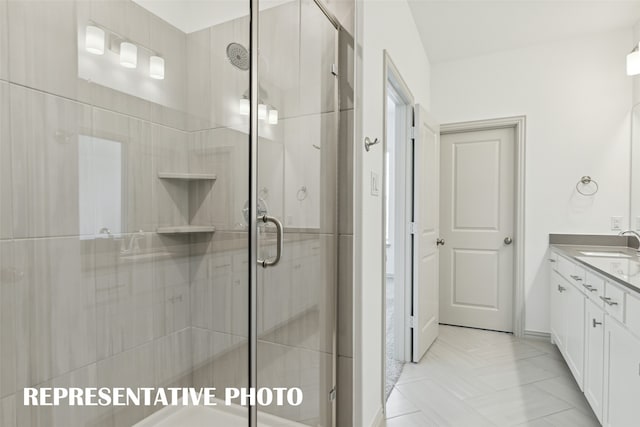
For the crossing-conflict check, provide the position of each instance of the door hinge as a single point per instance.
(332, 395)
(413, 227)
(334, 69)
(412, 132)
(412, 321)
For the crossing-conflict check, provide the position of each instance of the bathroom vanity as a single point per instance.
(595, 323)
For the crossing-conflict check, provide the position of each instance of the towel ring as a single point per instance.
(586, 180)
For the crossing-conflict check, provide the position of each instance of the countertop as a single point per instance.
(623, 270)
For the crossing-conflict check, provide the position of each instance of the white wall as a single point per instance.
(636, 80)
(577, 100)
(635, 143)
(382, 25)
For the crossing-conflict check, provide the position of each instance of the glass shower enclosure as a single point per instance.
(168, 208)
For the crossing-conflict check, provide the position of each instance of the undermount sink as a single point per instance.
(606, 254)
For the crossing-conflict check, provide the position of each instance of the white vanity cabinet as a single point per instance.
(594, 357)
(575, 338)
(595, 322)
(567, 314)
(622, 361)
(558, 324)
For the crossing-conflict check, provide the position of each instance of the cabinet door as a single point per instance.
(594, 357)
(558, 323)
(623, 379)
(574, 341)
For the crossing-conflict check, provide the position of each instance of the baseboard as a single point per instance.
(537, 334)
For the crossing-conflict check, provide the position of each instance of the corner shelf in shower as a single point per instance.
(186, 229)
(188, 176)
(193, 184)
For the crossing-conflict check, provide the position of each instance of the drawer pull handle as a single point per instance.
(595, 323)
(608, 301)
(590, 288)
(552, 260)
(561, 288)
(576, 278)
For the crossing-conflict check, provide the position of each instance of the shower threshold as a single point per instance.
(208, 416)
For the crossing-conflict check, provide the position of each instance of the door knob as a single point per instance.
(440, 242)
(508, 240)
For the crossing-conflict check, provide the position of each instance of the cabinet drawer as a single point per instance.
(565, 267)
(594, 287)
(614, 299)
(572, 272)
(578, 277)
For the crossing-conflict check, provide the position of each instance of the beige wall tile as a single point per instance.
(133, 368)
(134, 138)
(8, 411)
(4, 45)
(6, 205)
(173, 364)
(46, 133)
(8, 315)
(124, 293)
(56, 326)
(43, 51)
(170, 197)
(170, 283)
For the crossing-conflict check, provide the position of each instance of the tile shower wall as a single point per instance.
(89, 293)
(88, 297)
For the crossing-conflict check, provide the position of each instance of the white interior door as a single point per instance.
(425, 218)
(477, 224)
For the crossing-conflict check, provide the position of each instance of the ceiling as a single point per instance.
(456, 29)
(193, 15)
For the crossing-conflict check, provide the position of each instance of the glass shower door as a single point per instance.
(297, 185)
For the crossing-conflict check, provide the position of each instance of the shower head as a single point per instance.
(238, 55)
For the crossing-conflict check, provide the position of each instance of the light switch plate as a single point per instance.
(375, 184)
(616, 223)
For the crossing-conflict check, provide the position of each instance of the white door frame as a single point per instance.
(391, 76)
(518, 123)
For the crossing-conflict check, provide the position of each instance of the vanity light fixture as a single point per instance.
(273, 116)
(266, 112)
(245, 107)
(262, 111)
(633, 62)
(128, 55)
(94, 40)
(156, 67)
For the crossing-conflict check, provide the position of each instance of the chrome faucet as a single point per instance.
(133, 247)
(634, 234)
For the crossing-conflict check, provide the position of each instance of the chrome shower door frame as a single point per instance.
(253, 217)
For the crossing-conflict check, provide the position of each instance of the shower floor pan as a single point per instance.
(210, 416)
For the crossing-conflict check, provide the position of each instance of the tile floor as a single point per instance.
(474, 378)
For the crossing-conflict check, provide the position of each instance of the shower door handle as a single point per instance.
(279, 241)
